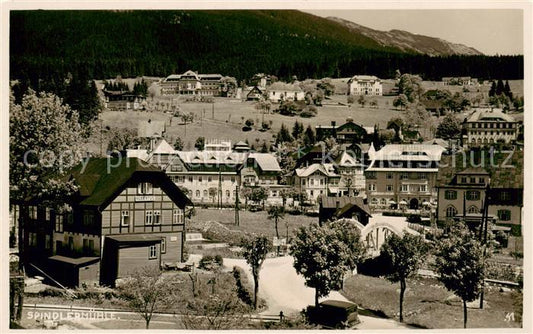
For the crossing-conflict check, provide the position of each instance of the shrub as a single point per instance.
(249, 122)
(242, 283)
(414, 219)
(307, 114)
(209, 262)
(351, 99)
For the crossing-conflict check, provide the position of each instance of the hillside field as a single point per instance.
(225, 118)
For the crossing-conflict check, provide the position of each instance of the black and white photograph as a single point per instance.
(246, 166)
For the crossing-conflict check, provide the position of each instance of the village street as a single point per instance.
(284, 290)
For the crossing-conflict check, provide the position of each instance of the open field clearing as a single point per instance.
(427, 303)
(252, 222)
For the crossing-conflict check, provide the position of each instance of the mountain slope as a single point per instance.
(407, 41)
(47, 45)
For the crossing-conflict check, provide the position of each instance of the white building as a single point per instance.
(488, 126)
(403, 175)
(315, 180)
(365, 85)
(280, 91)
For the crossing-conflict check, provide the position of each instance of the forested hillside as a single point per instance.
(104, 44)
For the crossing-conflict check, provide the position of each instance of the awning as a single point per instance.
(134, 239)
(392, 202)
(76, 262)
(402, 202)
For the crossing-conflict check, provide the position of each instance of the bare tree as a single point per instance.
(147, 292)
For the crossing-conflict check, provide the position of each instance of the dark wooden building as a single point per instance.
(126, 214)
(331, 208)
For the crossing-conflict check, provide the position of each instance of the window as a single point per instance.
(32, 239)
(233, 179)
(205, 193)
(463, 179)
(125, 218)
(199, 179)
(473, 209)
(228, 194)
(451, 211)
(71, 243)
(504, 196)
(88, 218)
(209, 179)
(85, 245)
(163, 245)
(303, 182)
(47, 241)
(157, 217)
(47, 214)
(423, 188)
(152, 252)
(422, 176)
(312, 193)
(59, 222)
(177, 217)
(197, 193)
(390, 187)
(144, 188)
(190, 179)
(404, 176)
(311, 182)
(405, 188)
(389, 175)
(32, 212)
(481, 180)
(372, 187)
(504, 215)
(370, 175)
(450, 194)
(472, 180)
(472, 195)
(148, 218)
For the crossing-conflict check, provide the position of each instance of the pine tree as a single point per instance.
(500, 87)
(492, 90)
(507, 90)
(309, 136)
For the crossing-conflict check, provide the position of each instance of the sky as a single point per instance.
(490, 31)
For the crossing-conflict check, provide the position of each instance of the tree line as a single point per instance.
(159, 43)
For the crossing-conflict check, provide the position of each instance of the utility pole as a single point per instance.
(219, 189)
(237, 205)
(484, 220)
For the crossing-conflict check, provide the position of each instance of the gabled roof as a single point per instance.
(408, 152)
(163, 147)
(267, 162)
(346, 160)
(284, 87)
(326, 169)
(363, 78)
(330, 202)
(490, 114)
(100, 180)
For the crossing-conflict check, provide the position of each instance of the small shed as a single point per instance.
(74, 272)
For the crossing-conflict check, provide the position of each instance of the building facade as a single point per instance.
(280, 91)
(192, 83)
(316, 180)
(463, 192)
(126, 215)
(365, 85)
(403, 176)
(489, 126)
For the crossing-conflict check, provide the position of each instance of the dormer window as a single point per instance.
(144, 188)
